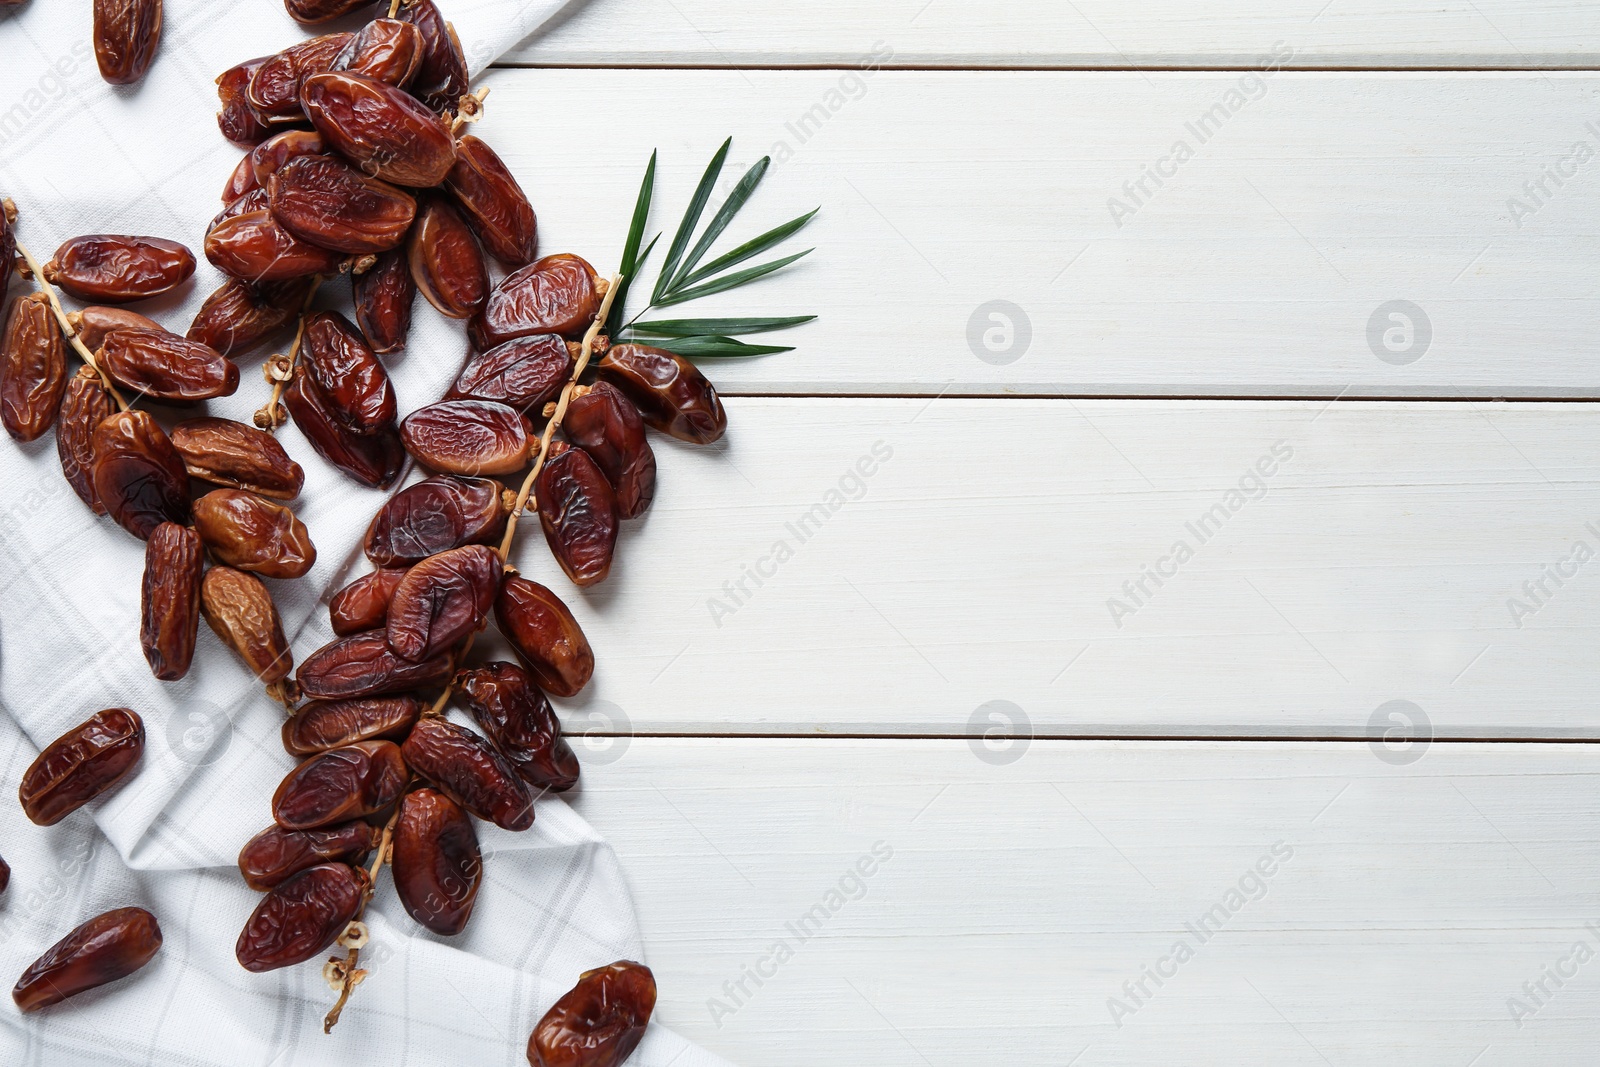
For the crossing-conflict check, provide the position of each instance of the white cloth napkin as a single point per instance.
(79, 156)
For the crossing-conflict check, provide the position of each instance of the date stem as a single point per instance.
(281, 370)
(354, 955)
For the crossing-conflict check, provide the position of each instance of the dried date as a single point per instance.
(169, 602)
(445, 260)
(327, 724)
(167, 367)
(240, 314)
(301, 917)
(107, 947)
(544, 635)
(383, 299)
(524, 373)
(138, 475)
(363, 665)
(435, 515)
(556, 294)
(437, 865)
(81, 764)
(275, 855)
(599, 1022)
(441, 600)
(114, 269)
(93, 324)
(386, 49)
(578, 511)
(669, 391)
(380, 129)
(607, 426)
(354, 385)
(311, 12)
(33, 368)
(493, 203)
(322, 200)
(251, 534)
(84, 407)
(236, 119)
(279, 150)
(275, 87)
(240, 611)
(364, 603)
(127, 34)
(254, 247)
(340, 784)
(512, 710)
(241, 182)
(373, 461)
(468, 770)
(469, 437)
(236, 456)
(441, 79)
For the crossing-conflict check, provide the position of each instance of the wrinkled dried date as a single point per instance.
(240, 182)
(364, 603)
(326, 724)
(363, 665)
(578, 511)
(435, 515)
(33, 368)
(274, 90)
(81, 764)
(169, 614)
(278, 151)
(84, 407)
(556, 294)
(373, 461)
(138, 475)
(441, 79)
(168, 367)
(251, 534)
(254, 247)
(339, 785)
(607, 426)
(240, 314)
(231, 454)
(126, 36)
(437, 865)
(322, 200)
(310, 12)
(468, 437)
(445, 260)
(544, 634)
(381, 129)
(523, 373)
(441, 600)
(383, 299)
(669, 391)
(386, 49)
(240, 611)
(94, 324)
(468, 770)
(599, 1022)
(349, 378)
(300, 917)
(114, 269)
(275, 854)
(107, 947)
(236, 119)
(519, 720)
(493, 202)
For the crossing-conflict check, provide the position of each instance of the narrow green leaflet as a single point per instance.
(730, 327)
(753, 247)
(730, 208)
(730, 281)
(691, 219)
(714, 346)
(630, 250)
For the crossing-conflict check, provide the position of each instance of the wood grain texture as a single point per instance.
(1265, 265)
(1414, 901)
(878, 565)
(1084, 33)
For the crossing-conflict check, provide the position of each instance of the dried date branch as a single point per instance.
(345, 971)
(279, 369)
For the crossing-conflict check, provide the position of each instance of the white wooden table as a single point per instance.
(1305, 287)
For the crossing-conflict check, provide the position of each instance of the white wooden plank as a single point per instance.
(1086, 33)
(1413, 905)
(1374, 554)
(1267, 265)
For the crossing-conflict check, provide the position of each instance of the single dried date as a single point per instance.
(469, 437)
(599, 1022)
(275, 855)
(85, 406)
(301, 917)
(170, 599)
(441, 600)
(236, 456)
(518, 718)
(251, 534)
(544, 635)
(383, 299)
(327, 724)
(578, 511)
(241, 314)
(127, 34)
(340, 784)
(364, 603)
(167, 367)
(445, 260)
(278, 151)
(435, 515)
(386, 49)
(275, 87)
(236, 119)
(311, 12)
(114, 269)
(240, 611)
(382, 130)
(363, 665)
(33, 368)
(524, 373)
(254, 247)
(374, 461)
(348, 375)
(468, 770)
(441, 79)
(107, 947)
(669, 391)
(94, 324)
(323, 200)
(556, 294)
(81, 764)
(241, 182)
(607, 426)
(493, 202)
(138, 475)
(437, 865)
